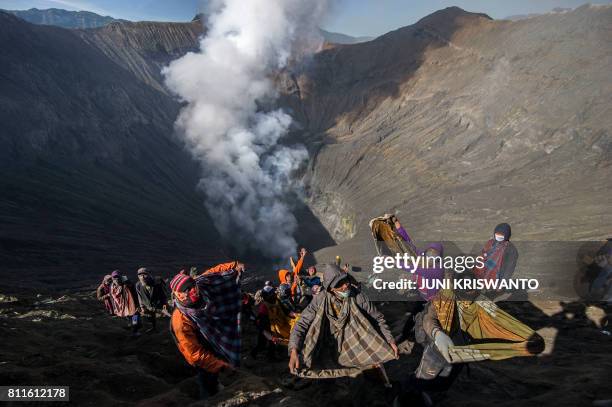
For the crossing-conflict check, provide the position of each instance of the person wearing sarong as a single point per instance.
(272, 322)
(340, 333)
(103, 294)
(124, 297)
(455, 330)
(152, 296)
(500, 255)
(205, 323)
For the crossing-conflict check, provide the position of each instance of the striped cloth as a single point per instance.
(341, 341)
(493, 253)
(494, 333)
(219, 317)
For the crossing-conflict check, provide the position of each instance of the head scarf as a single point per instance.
(503, 229)
(185, 291)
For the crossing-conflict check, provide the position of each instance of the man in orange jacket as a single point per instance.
(189, 340)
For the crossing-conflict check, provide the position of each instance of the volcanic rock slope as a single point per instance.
(92, 176)
(459, 122)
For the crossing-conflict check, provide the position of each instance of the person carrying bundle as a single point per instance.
(205, 323)
(458, 328)
(340, 333)
(124, 299)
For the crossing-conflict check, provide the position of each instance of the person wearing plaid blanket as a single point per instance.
(340, 333)
(206, 321)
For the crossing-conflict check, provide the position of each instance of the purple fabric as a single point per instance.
(402, 232)
(430, 273)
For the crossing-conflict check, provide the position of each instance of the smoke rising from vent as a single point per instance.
(246, 172)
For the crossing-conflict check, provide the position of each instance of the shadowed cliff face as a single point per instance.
(92, 176)
(144, 48)
(460, 122)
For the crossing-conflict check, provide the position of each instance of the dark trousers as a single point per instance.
(264, 344)
(208, 383)
(151, 318)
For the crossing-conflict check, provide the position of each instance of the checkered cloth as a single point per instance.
(341, 341)
(219, 317)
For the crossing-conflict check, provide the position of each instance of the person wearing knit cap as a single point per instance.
(207, 336)
(499, 255)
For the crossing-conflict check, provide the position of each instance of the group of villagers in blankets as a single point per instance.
(330, 327)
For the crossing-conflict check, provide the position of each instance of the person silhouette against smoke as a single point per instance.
(500, 255)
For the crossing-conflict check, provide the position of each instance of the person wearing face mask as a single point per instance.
(340, 333)
(499, 255)
(151, 296)
(207, 332)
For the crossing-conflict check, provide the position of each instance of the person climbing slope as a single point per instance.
(340, 333)
(152, 296)
(123, 295)
(206, 321)
(464, 327)
(103, 294)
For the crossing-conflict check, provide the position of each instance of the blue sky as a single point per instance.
(353, 17)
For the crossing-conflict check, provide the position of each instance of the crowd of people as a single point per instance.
(322, 320)
(132, 301)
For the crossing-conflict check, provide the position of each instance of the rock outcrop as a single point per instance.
(92, 176)
(459, 122)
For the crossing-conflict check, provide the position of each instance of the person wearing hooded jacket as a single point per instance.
(336, 282)
(500, 255)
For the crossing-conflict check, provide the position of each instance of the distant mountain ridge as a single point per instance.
(63, 18)
(87, 19)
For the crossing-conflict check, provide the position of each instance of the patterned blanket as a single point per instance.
(219, 317)
(341, 342)
(495, 334)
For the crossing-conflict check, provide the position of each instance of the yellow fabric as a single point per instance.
(280, 323)
(501, 335)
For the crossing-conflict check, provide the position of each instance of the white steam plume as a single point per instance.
(246, 172)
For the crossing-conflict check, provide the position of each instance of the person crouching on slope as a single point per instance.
(210, 343)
